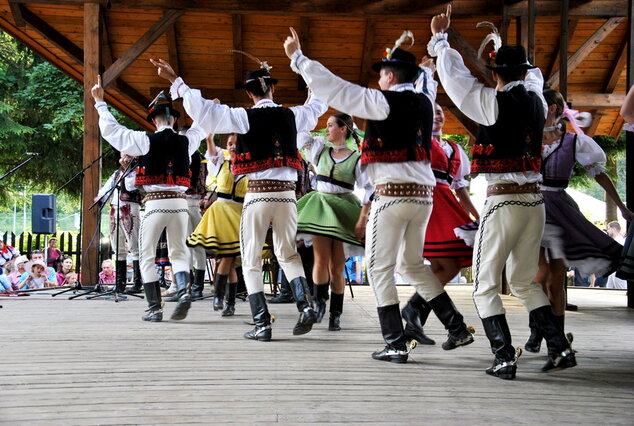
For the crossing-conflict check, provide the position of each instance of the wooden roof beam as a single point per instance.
(470, 126)
(596, 100)
(382, 9)
(366, 56)
(587, 47)
(140, 46)
(617, 68)
(238, 59)
(553, 68)
(304, 39)
(470, 56)
(16, 12)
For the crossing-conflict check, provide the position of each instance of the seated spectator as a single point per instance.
(65, 267)
(19, 268)
(5, 284)
(53, 255)
(71, 278)
(38, 256)
(7, 254)
(614, 231)
(38, 277)
(107, 275)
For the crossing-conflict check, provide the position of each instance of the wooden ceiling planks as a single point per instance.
(347, 41)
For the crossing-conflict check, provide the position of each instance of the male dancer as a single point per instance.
(267, 153)
(396, 154)
(507, 150)
(163, 172)
(125, 205)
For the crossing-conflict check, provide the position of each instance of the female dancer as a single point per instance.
(569, 238)
(218, 231)
(64, 268)
(450, 231)
(332, 212)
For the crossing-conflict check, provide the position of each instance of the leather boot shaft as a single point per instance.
(301, 293)
(153, 295)
(499, 335)
(392, 327)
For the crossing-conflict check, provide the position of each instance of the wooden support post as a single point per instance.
(530, 46)
(92, 147)
(238, 68)
(563, 50)
(304, 39)
(629, 141)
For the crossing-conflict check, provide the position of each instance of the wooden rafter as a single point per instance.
(16, 12)
(587, 47)
(556, 58)
(470, 126)
(596, 100)
(470, 55)
(380, 9)
(617, 68)
(140, 46)
(366, 56)
(304, 39)
(238, 59)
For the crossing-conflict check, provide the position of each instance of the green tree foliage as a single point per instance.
(41, 110)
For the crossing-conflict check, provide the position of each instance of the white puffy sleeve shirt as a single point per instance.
(365, 103)
(477, 101)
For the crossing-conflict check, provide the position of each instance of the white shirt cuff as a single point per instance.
(297, 55)
(437, 41)
(100, 104)
(177, 88)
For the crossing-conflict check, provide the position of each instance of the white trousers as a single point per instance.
(198, 254)
(394, 239)
(510, 232)
(171, 213)
(260, 209)
(119, 235)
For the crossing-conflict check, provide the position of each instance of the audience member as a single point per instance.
(614, 231)
(7, 254)
(38, 255)
(53, 254)
(19, 268)
(39, 277)
(64, 268)
(107, 274)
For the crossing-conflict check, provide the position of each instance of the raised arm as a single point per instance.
(335, 91)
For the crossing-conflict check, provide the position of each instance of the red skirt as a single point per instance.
(440, 238)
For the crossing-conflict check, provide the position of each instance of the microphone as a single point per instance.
(35, 154)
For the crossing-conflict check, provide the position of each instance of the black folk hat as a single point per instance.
(161, 105)
(256, 78)
(511, 58)
(398, 58)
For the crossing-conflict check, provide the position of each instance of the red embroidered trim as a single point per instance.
(267, 163)
(482, 149)
(504, 165)
(395, 156)
(162, 180)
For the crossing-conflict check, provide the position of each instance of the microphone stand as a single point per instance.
(16, 168)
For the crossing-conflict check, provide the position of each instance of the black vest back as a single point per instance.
(270, 142)
(514, 142)
(405, 135)
(167, 161)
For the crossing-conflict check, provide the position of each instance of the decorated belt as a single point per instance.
(162, 195)
(512, 188)
(404, 190)
(267, 185)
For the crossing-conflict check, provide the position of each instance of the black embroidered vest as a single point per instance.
(167, 161)
(514, 142)
(405, 135)
(270, 142)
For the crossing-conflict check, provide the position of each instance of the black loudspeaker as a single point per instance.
(43, 213)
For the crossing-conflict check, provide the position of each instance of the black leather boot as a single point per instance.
(153, 297)
(415, 314)
(184, 295)
(198, 284)
(121, 281)
(321, 296)
(393, 334)
(137, 283)
(336, 309)
(560, 354)
(230, 304)
(307, 317)
(221, 285)
(285, 295)
(505, 362)
(534, 342)
(458, 334)
(261, 318)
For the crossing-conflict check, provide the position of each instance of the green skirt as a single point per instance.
(329, 215)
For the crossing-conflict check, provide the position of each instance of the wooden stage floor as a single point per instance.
(95, 362)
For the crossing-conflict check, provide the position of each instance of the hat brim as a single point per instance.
(158, 111)
(511, 68)
(376, 67)
(256, 83)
